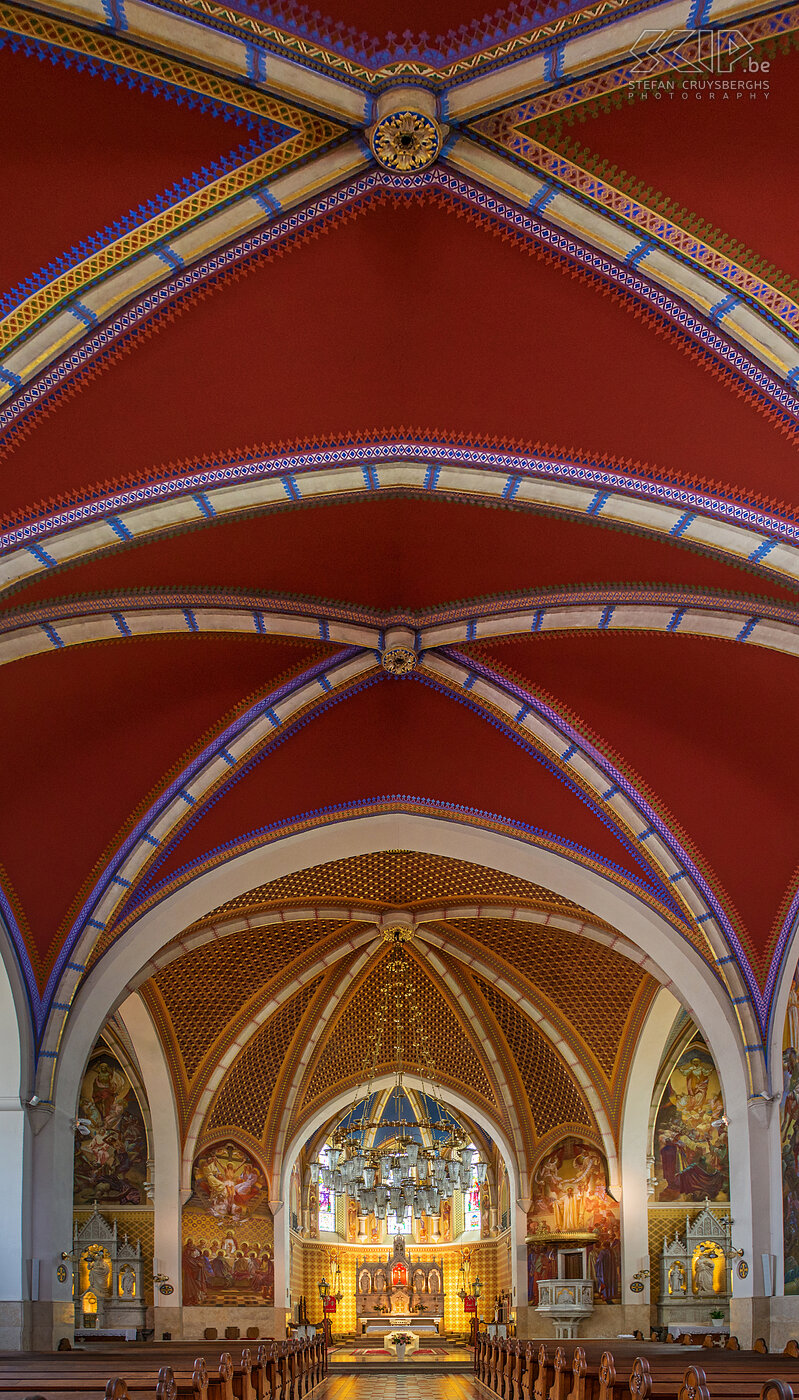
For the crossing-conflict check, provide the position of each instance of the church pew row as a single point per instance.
(280, 1371)
(515, 1370)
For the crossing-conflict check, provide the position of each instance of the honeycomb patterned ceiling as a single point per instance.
(552, 1094)
(598, 978)
(223, 977)
(598, 1007)
(244, 1096)
(347, 1047)
(399, 880)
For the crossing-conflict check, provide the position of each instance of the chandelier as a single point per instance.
(403, 1175)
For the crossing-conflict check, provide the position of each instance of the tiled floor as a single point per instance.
(401, 1387)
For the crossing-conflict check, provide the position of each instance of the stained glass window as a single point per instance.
(395, 1228)
(327, 1201)
(472, 1209)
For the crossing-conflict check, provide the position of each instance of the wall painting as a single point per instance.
(690, 1139)
(111, 1158)
(571, 1200)
(228, 1236)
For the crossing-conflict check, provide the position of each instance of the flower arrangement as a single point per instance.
(401, 1339)
(717, 1314)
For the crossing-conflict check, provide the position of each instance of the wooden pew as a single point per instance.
(91, 1380)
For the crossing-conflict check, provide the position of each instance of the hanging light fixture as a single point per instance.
(403, 1176)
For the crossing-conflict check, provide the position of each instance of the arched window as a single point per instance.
(327, 1198)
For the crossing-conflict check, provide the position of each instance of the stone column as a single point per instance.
(634, 1163)
(53, 1149)
(165, 1147)
(16, 1274)
(759, 1307)
(525, 1313)
(276, 1316)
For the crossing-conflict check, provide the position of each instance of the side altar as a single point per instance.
(399, 1291)
(695, 1274)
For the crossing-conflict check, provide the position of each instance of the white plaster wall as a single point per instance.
(15, 1276)
(164, 1149)
(634, 1198)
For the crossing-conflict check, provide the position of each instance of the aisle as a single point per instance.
(400, 1387)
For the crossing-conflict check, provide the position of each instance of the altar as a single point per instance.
(695, 1275)
(399, 1293)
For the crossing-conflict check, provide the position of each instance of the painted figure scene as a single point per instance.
(111, 1141)
(228, 1254)
(571, 1201)
(228, 1271)
(691, 1156)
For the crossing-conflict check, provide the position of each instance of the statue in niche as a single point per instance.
(705, 1271)
(127, 1282)
(99, 1271)
(677, 1281)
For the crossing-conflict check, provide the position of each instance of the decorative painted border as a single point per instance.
(655, 230)
(620, 802)
(577, 486)
(616, 250)
(320, 45)
(65, 40)
(293, 136)
(682, 612)
(494, 41)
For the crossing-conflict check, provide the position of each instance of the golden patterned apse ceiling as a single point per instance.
(399, 879)
(453, 1048)
(296, 999)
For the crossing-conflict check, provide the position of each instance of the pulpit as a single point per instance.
(399, 1292)
(568, 1299)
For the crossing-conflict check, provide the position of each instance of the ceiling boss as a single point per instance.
(406, 135)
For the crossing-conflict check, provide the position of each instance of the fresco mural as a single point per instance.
(227, 1182)
(789, 1135)
(229, 1268)
(571, 1199)
(228, 1237)
(111, 1158)
(690, 1139)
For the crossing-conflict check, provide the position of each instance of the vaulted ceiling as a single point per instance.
(289, 991)
(481, 505)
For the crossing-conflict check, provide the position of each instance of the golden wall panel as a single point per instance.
(313, 1259)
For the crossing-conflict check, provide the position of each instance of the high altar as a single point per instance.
(400, 1292)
